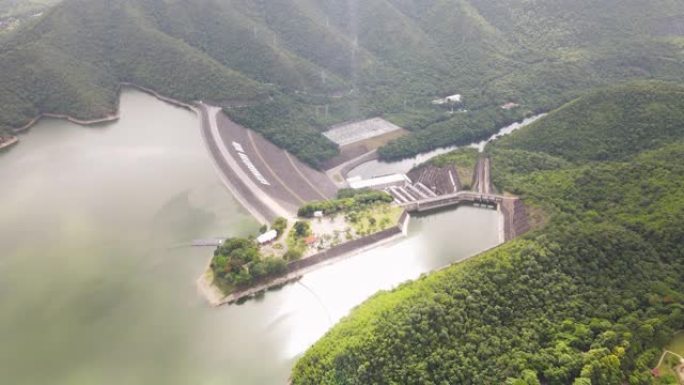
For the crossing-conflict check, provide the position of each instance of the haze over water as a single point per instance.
(98, 287)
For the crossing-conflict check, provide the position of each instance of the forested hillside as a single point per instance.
(290, 68)
(590, 298)
(610, 124)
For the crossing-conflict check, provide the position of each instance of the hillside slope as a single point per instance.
(588, 299)
(300, 65)
(611, 124)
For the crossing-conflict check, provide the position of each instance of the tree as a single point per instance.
(302, 229)
(279, 225)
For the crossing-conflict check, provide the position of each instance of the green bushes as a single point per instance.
(237, 263)
(301, 229)
(352, 202)
(279, 225)
(588, 299)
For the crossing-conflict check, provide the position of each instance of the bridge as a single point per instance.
(442, 201)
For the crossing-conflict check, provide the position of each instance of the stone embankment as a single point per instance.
(441, 180)
(515, 219)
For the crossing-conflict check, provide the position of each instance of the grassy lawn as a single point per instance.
(375, 219)
(667, 367)
(677, 344)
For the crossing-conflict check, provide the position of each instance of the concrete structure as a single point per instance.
(349, 133)
(510, 106)
(210, 242)
(456, 98)
(455, 199)
(267, 237)
(481, 178)
(264, 178)
(380, 182)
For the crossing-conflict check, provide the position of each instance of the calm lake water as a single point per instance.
(97, 285)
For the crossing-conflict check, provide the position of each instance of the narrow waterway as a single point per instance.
(376, 167)
(97, 284)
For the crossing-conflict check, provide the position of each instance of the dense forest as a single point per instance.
(290, 68)
(238, 263)
(591, 297)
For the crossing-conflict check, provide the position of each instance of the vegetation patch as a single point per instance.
(347, 200)
(463, 159)
(294, 68)
(373, 219)
(238, 264)
(671, 368)
(590, 298)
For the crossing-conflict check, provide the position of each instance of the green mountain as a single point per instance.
(611, 124)
(589, 298)
(297, 66)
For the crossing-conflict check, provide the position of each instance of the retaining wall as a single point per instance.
(296, 269)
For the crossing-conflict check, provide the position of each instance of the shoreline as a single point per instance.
(297, 269)
(111, 117)
(11, 141)
(108, 118)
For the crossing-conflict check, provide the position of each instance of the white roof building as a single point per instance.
(348, 133)
(379, 182)
(267, 237)
(456, 98)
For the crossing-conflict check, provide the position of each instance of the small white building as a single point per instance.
(267, 237)
(451, 99)
(454, 98)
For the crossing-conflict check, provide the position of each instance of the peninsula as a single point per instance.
(311, 218)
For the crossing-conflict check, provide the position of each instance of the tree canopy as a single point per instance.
(590, 298)
(293, 68)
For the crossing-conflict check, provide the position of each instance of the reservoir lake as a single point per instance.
(98, 282)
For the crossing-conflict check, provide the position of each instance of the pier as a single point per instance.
(208, 242)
